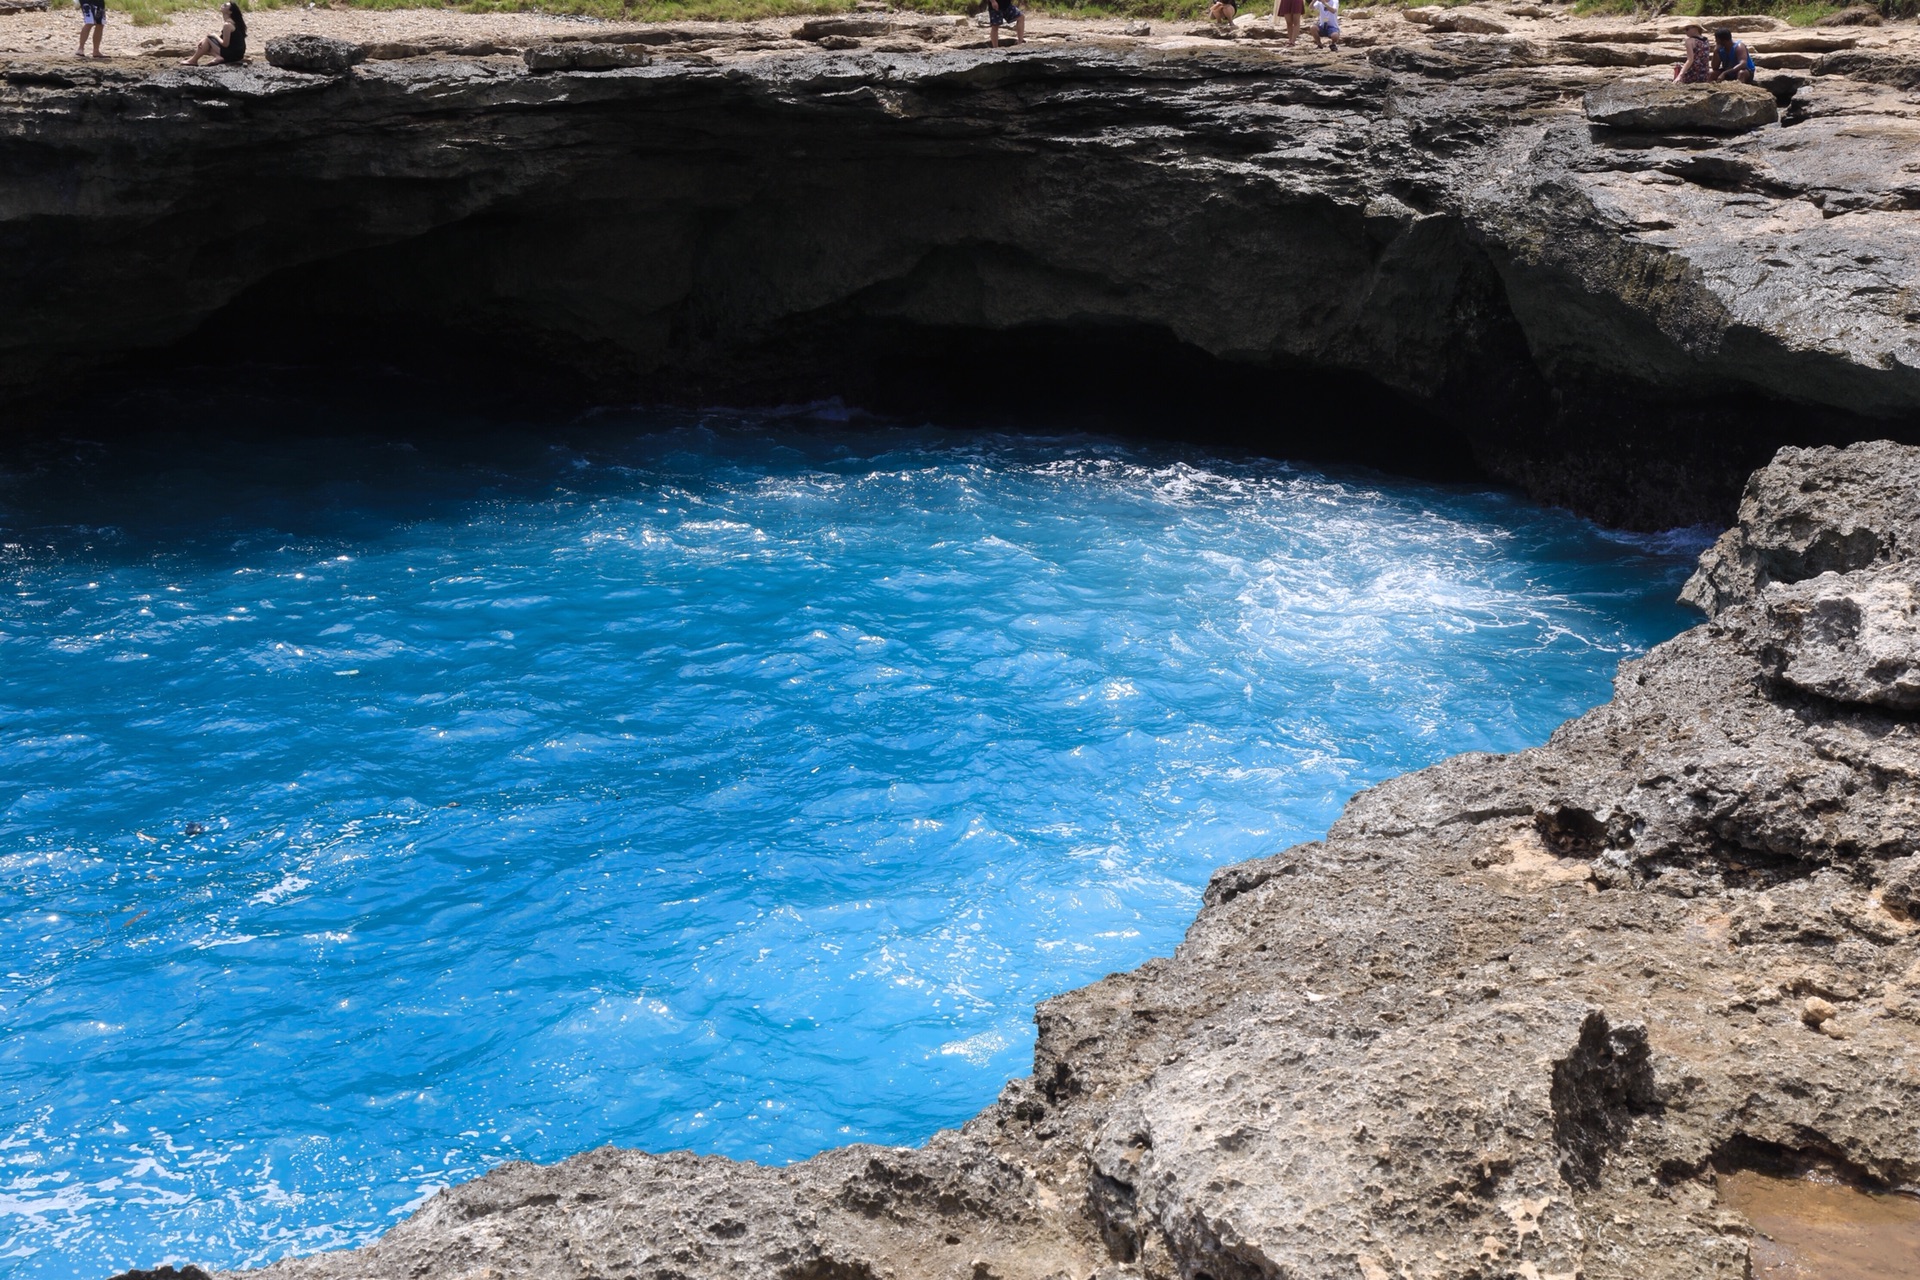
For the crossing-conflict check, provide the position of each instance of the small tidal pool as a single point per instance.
(379, 805)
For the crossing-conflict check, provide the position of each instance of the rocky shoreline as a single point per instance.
(1516, 1017)
(1420, 242)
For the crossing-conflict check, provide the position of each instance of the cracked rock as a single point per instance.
(1650, 106)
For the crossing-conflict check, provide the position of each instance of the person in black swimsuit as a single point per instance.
(230, 46)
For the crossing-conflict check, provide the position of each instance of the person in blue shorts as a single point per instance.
(93, 17)
(1732, 60)
(1326, 23)
(1004, 11)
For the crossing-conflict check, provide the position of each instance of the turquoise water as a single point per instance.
(376, 810)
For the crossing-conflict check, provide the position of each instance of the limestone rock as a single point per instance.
(1858, 15)
(1465, 21)
(1813, 511)
(397, 50)
(1469, 24)
(1850, 637)
(1618, 35)
(1743, 22)
(1612, 55)
(1583, 312)
(316, 55)
(1900, 886)
(583, 55)
(822, 28)
(1871, 65)
(1805, 44)
(1651, 106)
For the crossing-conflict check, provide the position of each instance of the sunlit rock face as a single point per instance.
(1624, 323)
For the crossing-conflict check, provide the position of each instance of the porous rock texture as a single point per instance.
(1504, 1023)
(314, 54)
(581, 55)
(1727, 107)
(1624, 323)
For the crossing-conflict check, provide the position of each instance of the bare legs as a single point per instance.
(96, 28)
(1293, 23)
(207, 48)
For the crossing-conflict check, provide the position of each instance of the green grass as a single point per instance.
(1799, 13)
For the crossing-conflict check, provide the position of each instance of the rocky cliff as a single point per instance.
(1511, 1020)
(1423, 244)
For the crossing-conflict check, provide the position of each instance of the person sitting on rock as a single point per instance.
(1732, 60)
(1326, 23)
(1698, 67)
(1223, 10)
(230, 46)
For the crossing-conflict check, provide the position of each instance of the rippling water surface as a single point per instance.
(373, 812)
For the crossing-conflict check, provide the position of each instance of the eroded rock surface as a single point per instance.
(1504, 1023)
(1624, 323)
(1849, 637)
(582, 55)
(1813, 511)
(314, 54)
(1729, 107)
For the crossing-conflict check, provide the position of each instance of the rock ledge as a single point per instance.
(1653, 107)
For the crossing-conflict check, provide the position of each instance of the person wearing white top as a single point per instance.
(1326, 23)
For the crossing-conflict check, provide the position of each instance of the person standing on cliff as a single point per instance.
(93, 17)
(1291, 10)
(1004, 11)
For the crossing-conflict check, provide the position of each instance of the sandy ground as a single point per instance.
(53, 34)
(35, 33)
